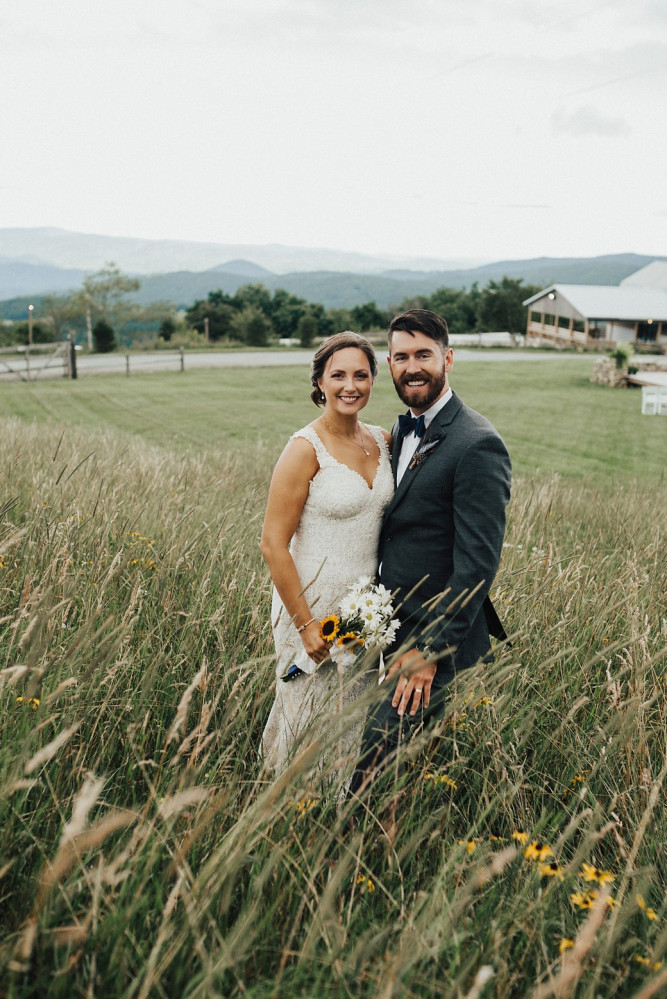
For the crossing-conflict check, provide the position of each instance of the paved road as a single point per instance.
(13, 367)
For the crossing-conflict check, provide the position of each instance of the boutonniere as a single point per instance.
(423, 451)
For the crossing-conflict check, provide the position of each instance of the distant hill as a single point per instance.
(62, 248)
(19, 278)
(26, 273)
(336, 290)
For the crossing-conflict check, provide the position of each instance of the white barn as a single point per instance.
(584, 314)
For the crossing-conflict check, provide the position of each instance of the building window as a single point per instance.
(579, 326)
(549, 320)
(536, 317)
(564, 322)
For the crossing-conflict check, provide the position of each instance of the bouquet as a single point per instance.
(365, 621)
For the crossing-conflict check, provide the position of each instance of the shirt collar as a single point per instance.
(439, 404)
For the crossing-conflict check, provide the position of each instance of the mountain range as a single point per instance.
(34, 262)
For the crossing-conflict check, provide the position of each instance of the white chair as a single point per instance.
(662, 401)
(649, 400)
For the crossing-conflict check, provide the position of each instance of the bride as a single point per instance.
(327, 495)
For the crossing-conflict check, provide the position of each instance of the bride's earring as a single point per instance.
(323, 398)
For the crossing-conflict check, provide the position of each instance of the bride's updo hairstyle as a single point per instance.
(339, 341)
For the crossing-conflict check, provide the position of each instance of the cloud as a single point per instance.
(586, 121)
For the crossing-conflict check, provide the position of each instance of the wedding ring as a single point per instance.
(418, 690)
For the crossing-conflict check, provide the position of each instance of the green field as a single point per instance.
(145, 853)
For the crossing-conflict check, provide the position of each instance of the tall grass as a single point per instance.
(146, 853)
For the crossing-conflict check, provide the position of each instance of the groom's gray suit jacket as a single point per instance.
(442, 535)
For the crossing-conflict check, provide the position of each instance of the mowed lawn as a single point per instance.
(550, 415)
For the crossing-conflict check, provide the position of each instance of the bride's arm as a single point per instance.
(287, 495)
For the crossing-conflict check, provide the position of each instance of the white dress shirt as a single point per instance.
(409, 444)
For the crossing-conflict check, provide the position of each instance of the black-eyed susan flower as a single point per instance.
(365, 883)
(646, 909)
(583, 900)
(304, 805)
(552, 870)
(483, 702)
(537, 851)
(435, 779)
(329, 627)
(520, 836)
(32, 702)
(590, 873)
(648, 963)
(470, 844)
(564, 944)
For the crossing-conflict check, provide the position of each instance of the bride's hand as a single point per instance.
(314, 644)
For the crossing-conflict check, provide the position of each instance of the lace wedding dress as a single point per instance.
(335, 543)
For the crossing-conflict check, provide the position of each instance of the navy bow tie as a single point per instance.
(409, 424)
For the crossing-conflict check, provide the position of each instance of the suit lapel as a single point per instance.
(438, 429)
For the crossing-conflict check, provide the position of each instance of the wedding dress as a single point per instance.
(336, 542)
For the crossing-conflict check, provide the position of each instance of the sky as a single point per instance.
(452, 129)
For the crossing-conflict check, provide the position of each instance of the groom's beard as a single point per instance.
(426, 396)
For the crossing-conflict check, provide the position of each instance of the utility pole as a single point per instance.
(27, 353)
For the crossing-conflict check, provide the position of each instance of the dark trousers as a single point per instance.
(385, 732)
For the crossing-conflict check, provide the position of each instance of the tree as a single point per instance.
(63, 314)
(167, 329)
(456, 306)
(257, 330)
(286, 311)
(252, 327)
(307, 329)
(104, 337)
(40, 333)
(368, 317)
(500, 305)
(340, 320)
(220, 310)
(105, 295)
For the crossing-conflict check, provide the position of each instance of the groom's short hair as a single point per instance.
(421, 321)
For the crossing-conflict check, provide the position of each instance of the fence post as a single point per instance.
(72, 355)
(182, 352)
(127, 364)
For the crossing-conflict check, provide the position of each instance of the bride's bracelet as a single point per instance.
(304, 626)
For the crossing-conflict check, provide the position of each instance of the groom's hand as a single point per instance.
(415, 683)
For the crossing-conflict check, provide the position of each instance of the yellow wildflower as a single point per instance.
(583, 900)
(483, 701)
(551, 870)
(520, 836)
(537, 851)
(365, 883)
(304, 805)
(653, 965)
(564, 944)
(470, 844)
(646, 909)
(32, 702)
(441, 779)
(590, 873)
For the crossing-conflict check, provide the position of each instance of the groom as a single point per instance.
(441, 538)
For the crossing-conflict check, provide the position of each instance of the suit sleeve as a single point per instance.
(481, 493)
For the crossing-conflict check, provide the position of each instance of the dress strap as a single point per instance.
(323, 456)
(378, 436)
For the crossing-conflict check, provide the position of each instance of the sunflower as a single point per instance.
(329, 627)
(349, 638)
